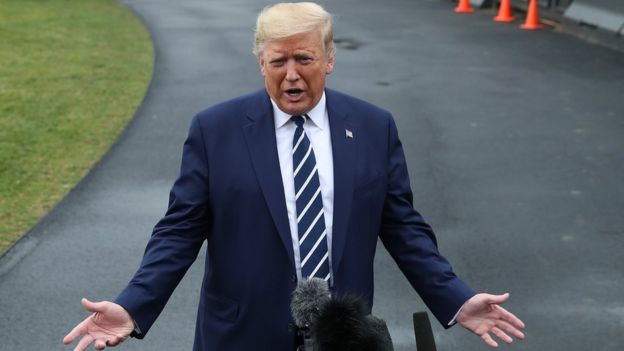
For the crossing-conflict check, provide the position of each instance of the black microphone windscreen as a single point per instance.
(309, 296)
(343, 324)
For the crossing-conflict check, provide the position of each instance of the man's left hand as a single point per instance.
(483, 314)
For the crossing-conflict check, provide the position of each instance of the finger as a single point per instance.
(93, 306)
(488, 340)
(72, 335)
(510, 317)
(76, 332)
(84, 343)
(510, 329)
(100, 344)
(115, 340)
(496, 299)
(501, 335)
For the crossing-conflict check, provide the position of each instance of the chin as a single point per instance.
(296, 109)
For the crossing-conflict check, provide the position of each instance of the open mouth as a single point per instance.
(294, 92)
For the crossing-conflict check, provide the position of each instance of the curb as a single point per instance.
(33, 236)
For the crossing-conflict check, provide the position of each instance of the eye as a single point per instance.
(277, 62)
(305, 60)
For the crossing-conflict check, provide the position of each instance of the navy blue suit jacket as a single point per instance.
(230, 193)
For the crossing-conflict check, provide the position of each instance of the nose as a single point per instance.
(291, 71)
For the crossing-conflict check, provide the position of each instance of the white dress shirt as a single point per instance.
(317, 130)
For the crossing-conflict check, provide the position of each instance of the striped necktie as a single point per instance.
(310, 219)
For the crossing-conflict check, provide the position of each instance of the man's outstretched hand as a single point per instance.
(109, 325)
(482, 315)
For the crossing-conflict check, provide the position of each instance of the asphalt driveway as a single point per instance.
(515, 142)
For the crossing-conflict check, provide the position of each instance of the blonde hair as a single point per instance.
(287, 19)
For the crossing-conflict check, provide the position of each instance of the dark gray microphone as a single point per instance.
(307, 300)
(335, 323)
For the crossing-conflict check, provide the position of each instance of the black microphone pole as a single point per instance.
(423, 332)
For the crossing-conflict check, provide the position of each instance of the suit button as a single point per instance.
(291, 327)
(293, 278)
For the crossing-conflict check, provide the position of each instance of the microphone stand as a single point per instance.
(309, 343)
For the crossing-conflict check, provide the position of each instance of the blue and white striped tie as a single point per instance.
(310, 218)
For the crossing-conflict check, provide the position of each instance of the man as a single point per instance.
(290, 182)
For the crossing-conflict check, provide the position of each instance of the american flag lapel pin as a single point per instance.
(349, 134)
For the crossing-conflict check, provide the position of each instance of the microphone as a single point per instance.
(308, 298)
(336, 323)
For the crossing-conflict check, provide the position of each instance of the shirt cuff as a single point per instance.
(454, 320)
(137, 330)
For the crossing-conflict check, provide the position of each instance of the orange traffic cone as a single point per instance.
(504, 12)
(532, 20)
(464, 7)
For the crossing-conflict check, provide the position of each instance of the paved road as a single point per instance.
(515, 145)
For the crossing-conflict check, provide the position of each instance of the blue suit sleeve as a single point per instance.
(412, 243)
(176, 239)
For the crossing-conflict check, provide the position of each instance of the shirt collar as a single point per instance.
(316, 114)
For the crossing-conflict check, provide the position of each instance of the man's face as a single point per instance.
(294, 70)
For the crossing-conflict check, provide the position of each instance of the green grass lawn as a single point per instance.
(72, 73)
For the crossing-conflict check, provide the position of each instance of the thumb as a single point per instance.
(497, 299)
(93, 306)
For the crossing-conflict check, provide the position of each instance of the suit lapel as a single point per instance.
(260, 138)
(262, 146)
(344, 155)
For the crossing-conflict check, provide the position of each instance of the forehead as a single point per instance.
(304, 42)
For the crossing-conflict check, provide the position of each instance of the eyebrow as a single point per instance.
(296, 57)
(302, 56)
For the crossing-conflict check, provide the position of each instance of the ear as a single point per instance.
(261, 64)
(330, 64)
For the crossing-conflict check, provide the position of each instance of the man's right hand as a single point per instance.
(109, 325)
